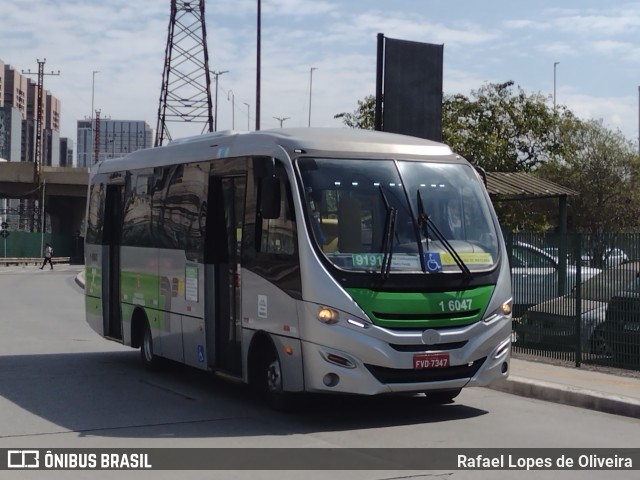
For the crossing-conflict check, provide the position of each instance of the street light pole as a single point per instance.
(555, 64)
(233, 109)
(310, 89)
(258, 62)
(93, 90)
(248, 114)
(281, 119)
(215, 117)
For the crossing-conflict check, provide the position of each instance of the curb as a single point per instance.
(80, 279)
(567, 395)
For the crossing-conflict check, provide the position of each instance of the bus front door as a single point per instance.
(226, 202)
(112, 321)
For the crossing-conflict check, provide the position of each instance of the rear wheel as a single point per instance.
(149, 359)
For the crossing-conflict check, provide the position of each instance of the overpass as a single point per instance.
(65, 190)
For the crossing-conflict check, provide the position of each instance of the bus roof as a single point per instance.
(309, 141)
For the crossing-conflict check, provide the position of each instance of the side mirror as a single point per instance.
(483, 174)
(270, 198)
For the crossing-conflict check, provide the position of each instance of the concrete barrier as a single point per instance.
(16, 261)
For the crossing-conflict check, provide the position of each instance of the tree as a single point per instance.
(603, 167)
(363, 116)
(497, 128)
(502, 130)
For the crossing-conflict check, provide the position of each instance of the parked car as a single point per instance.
(621, 328)
(535, 275)
(552, 324)
(610, 258)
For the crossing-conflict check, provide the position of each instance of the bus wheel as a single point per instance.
(269, 382)
(149, 359)
(443, 396)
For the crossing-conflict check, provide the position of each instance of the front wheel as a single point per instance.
(269, 382)
(149, 359)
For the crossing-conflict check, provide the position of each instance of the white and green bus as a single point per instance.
(302, 260)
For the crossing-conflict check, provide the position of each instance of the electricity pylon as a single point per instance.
(185, 95)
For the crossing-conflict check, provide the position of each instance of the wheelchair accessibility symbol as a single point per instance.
(433, 262)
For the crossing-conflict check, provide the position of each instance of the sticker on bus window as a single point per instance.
(367, 260)
(470, 258)
(432, 262)
(262, 306)
(191, 283)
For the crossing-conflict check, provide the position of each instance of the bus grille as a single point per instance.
(428, 348)
(427, 316)
(395, 375)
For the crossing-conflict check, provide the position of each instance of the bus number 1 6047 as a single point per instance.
(455, 305)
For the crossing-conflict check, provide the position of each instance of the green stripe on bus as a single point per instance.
(423, 309)
(93, 305)
(142, 289)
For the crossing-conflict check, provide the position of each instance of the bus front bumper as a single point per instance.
(386, 371)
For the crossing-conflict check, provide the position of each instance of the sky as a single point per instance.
(596, 46)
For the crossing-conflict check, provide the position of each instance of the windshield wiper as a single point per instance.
(424, 222)
(388, 234)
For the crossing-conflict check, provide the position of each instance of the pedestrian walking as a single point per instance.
(48, 253)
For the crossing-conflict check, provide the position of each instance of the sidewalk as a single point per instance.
(577, 387)
(604, 392)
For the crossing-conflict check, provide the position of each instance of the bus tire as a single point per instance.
(149, 359)
(443, 396)
(268, 381)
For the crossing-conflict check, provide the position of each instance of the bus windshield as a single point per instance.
(399, 216)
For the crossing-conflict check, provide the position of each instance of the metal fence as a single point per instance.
(30, 244)
(577, 297)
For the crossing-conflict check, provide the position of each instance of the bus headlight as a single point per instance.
(328, 315)
(502, 311)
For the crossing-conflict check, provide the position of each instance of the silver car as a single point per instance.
(535, 275)
(610, 258)
(552, 324)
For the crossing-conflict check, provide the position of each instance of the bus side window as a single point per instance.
(278, 235)
(136, 227)
(95, 218)
(179, 208)
(270, 246)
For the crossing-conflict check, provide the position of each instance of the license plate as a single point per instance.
(430, 360)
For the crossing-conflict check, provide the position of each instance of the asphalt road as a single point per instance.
(62, 386)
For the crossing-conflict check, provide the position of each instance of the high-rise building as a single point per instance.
(66, 152)
(51, 131)
(50, 148)
(18, 121)
(15, 90)
(13, 98)
(115, 138)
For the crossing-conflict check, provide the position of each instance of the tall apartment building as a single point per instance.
(13, 112)
(50, 126)
(116, 138)
(18, 121)
(66, 152)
